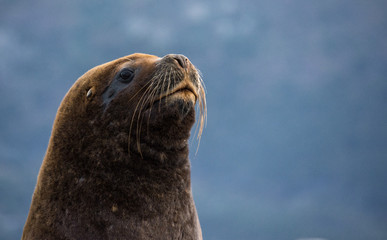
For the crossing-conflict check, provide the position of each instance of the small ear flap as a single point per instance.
(89, 93)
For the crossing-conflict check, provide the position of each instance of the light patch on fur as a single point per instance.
(163, 156)
(114, 208)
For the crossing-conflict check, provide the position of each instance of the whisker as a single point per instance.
(152, 98)
(202, 107)
(136, 109)
(140, 118)
(163, 87)
(147, 98)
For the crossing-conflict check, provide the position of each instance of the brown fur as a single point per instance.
(117, 163)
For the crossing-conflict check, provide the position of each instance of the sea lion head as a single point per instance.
(142, 101)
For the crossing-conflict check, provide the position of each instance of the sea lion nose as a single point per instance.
(181, 59)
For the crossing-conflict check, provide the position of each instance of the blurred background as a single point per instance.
(296, 140)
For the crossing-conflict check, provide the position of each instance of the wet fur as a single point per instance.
(96, 182)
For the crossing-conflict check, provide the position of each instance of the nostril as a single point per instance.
(182, 60)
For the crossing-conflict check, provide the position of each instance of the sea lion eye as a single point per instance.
(126, 75)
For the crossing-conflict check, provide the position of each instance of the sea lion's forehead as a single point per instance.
(141, 57)
(138, 60)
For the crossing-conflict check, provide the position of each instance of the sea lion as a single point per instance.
(117, 165)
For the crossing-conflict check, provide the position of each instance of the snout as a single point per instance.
(178, 59)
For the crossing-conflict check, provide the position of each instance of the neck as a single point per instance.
(105, 167)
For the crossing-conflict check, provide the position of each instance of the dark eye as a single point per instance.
(126, 75)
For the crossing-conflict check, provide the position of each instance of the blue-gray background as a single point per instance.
(296, 141)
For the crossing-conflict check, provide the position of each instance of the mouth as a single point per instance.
(184, 91)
